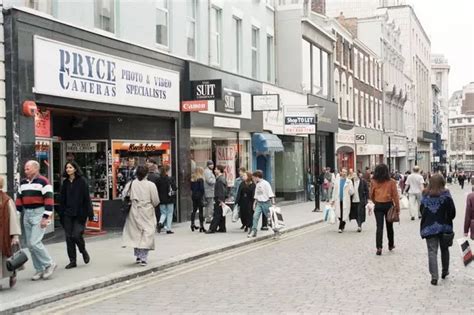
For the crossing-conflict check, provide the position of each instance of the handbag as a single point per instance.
(127, 202)
(393, 215)
(447, 239)
(17, 260)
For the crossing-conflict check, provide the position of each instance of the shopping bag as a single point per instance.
(236, 213)
(332, 216)
(226, 210)
(276, 218)
(326, 211)
(370, 207)
(404, 202)
(466, 251)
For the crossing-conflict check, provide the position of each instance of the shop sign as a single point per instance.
(43, 123)
(96, 223)
(360, 138)
(81, 147)
(222, 122)
(73, 72)
(225, 155)
(207, 90)
(194, 106)
(369, 149)
(299, 125)
(231, 104)
(265, 102)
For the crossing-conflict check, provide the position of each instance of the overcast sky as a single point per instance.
(450, 25)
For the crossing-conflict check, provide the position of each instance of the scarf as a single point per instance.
(5, 237)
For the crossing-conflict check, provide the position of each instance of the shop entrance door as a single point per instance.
(43, 153)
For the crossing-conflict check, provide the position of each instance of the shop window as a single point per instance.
(127, 155)
(105, 15)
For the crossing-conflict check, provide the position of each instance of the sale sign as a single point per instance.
(96, 223)
(225, 155)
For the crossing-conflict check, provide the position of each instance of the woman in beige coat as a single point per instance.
(10, 231)
(140, 225)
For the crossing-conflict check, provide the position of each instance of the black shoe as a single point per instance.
(413, 218)
(434, 281)
(86, 257)
(242, 227)
(71, 265)
(379, 252)
(193, 227)
(221, 231)
(444, 274)
(159, 227)
(202, 229)
(264, 228)
(210, 232)
(246, 229)
(390, 248)
(169, 232)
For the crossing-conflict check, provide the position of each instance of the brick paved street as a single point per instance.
(318, 271)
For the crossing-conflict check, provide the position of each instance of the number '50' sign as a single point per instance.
(361, 138)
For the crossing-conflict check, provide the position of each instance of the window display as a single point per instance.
(127, 155)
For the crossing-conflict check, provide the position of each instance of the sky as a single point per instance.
(450, 26)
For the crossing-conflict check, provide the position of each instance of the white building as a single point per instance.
(440, 76)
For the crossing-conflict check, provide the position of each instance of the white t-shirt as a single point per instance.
(415, 181)
(263, 191)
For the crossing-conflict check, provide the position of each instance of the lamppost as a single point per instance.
(318, 110)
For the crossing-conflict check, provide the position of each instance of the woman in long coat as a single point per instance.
(10, 231)
(245, 200)
(341, 198)
(140, 225)
(359, 200)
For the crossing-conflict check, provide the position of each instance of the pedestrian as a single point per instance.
(264, 198)
(461, 180)
(359, 200)
(472, 179)
(414, 186)
(437, 225)
(197, 196)
(384, 194)
(220, 195)
(153, 177)
(74, 208)
(209, 183)
(326, 185)
(245, 200)
(35, 200)
(341, 198)
(167, 191)
(10, 232)
(235, 190)
(469, 217)
(332, 179)
(140, 224)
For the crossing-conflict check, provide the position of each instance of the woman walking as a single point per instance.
(167, 192)
(197, 195)
(384, 194)
(359, 200)
(140, 225)
(10, 232)
(437, 225)
(245, 200)
(74, 208)
(341, 198)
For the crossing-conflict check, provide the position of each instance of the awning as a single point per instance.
(266, 143)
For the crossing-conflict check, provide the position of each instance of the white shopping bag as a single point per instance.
(466, 251)
(332, 216)
(404, 202)
(370, 206)
(226, 210)
(326, 211)
(236, 213)
(276, 218)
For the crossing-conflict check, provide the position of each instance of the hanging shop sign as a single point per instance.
(299, 124)
(265, 102)
(81, 147)
(73, 72)
(231, 104)
(206, 90)
(43, 123)
(225, 155)
(194, 106)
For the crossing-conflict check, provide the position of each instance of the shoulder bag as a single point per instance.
(17, 260)
(127, 201)
(393, 215)
(447, 238)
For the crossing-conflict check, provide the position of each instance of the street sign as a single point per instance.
(265, 102)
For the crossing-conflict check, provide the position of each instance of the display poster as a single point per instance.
(225, 155)
(43, 123)
(96, 223)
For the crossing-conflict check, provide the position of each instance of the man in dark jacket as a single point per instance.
(220, 194)
(153, 177)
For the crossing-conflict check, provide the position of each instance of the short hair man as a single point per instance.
(414, 186)
(263, 199)
(209, 183)
(35, 200)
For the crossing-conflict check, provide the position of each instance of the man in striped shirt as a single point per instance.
(35, 200)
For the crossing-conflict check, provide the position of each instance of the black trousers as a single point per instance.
(381, 210)
(218, 220)
(197, 205)
(264, 220)
(342, 223)
(74, 231)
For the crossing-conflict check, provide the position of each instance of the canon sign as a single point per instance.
(194, 106)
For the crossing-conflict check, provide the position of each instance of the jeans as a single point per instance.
(432, 244)
(34, 236)
(74, 230)
(167, 214)
(261, 208)
(209, 210)
(381, 210)
(414, 207)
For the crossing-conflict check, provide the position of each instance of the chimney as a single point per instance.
(318, 6)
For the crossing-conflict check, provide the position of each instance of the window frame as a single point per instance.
(167, 13)
(218, 35)
(270, 58)
(255, 49)
(238, 43)
(98, 4)
(193, 20)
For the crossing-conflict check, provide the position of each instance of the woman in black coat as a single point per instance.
(74, 209)
(359, 200)
(197, 195)
(167, 192)
(245, 199)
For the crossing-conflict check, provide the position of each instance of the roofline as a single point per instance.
(319, 28)
(414, 14)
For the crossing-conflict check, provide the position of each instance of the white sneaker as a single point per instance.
(49, 271)
(38, 275)
(252, 234)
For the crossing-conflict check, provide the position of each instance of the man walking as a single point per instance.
(153, 177)
(35, 200)
(209, 183)
(461, 180)
(415, 185)
(218, 220)
(264, 198)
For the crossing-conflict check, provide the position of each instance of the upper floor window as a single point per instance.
(237, 31)
(270, 59)
(356, 63)
(306, 66)
(45, 6)
(216, 33)
(105, 15)
(162, 22)
(191, 28)
(255, 52)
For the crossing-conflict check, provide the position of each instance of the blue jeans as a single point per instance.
(261, 207)
(167, 214)
(34, 236)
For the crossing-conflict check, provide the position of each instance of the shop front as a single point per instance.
(369, 150)
(397, 154)
(103, 103)
(345, 151)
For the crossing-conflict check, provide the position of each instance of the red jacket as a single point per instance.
(469, 214)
